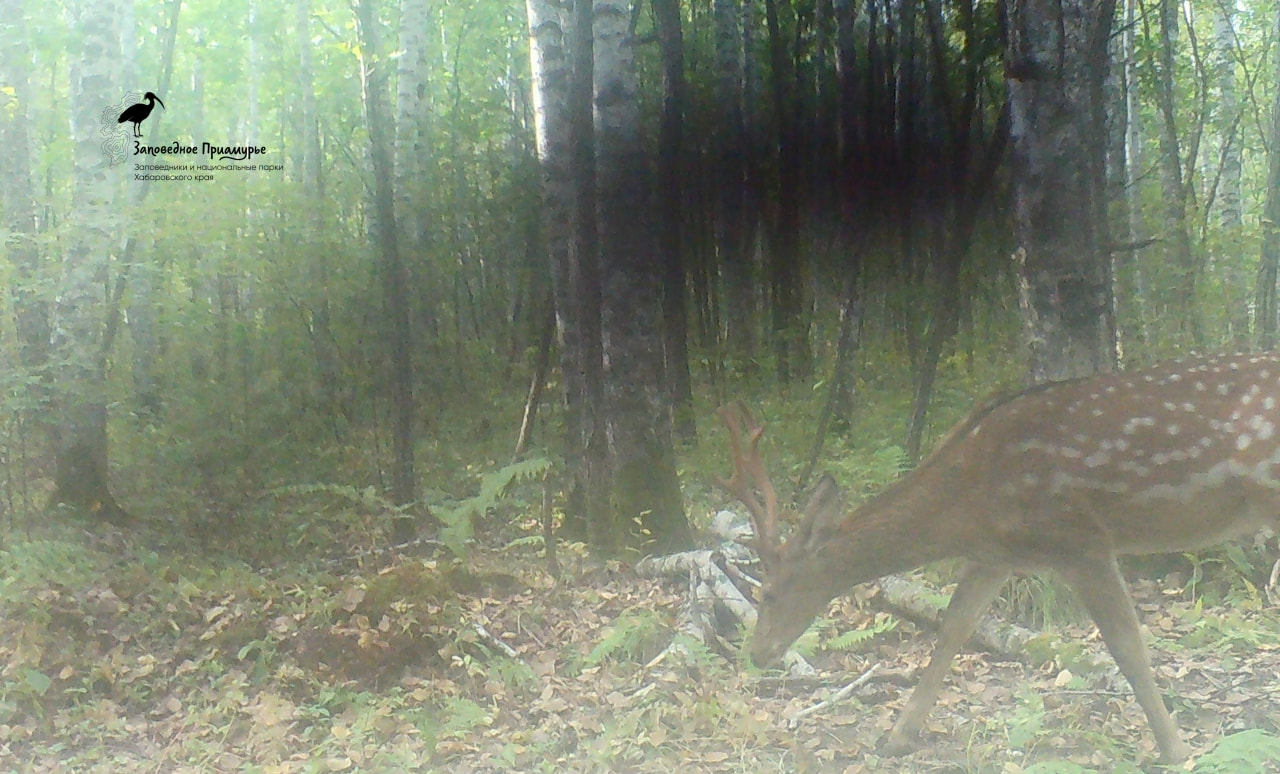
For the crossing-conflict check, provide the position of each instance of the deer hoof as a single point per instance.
(897, 744)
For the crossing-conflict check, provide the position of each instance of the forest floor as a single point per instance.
(122, 658)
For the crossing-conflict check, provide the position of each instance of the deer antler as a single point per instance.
(750, 474)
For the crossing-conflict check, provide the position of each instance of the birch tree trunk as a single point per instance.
(1269, 265)
(1129, 269)
(549, 37)
(412, 114)
(645, 489)
(1228, 116)
(1227, 175)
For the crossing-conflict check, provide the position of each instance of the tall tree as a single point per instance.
(1269, 265)
(412, 112)
(31, 308)
(1133, 292)
(1227, 114)
(320, 329)
(373, 82)
(1227, 177)
(589, 499)
(731, 238)
(975, 151)
(675, 325)
(139, 269)
(789, 325)
(645, 489)
(551, 28)
(81, 412)
(852, 233)
(1055, 67)
(1177, 236)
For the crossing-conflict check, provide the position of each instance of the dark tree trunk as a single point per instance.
(731, 239)
(852, 233)
(675, 321)
(974, 186)
(789, 329)
(335, 399)
(1056, 64)
(1178, 250)
(838, 391)
(589, 495)
(539, 379)
(394, 277)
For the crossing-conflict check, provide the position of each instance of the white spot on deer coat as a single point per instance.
(1097, 459)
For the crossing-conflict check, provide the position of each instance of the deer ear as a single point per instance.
(822, 511)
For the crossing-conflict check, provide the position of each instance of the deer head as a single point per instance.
(796, 586)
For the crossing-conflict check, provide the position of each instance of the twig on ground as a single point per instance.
(494, 641)
(835, 698)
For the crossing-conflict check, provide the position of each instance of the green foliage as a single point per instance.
(807, 643)
(1041, 601)
(1229, 630)
(461, 715)
(1244, 753)
(1058, 767)
(459, 524)
(1027, 721)
(855, 638)
(1224, 570)
(458, 518)
(28, 570)
(1070, 654)
(634, 636)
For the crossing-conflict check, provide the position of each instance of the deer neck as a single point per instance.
(903, 528)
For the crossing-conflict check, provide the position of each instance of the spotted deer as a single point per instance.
(1063, 476)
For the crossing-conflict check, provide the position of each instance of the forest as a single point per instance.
(484, 386)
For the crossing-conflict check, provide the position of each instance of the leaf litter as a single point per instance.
(188, 668)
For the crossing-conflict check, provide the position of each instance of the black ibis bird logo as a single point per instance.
(139, 112)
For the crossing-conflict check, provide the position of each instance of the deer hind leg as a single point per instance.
(1102, 589)
(977, 587)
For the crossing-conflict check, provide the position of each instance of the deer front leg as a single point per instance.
(977, 587)
(1102, 589)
